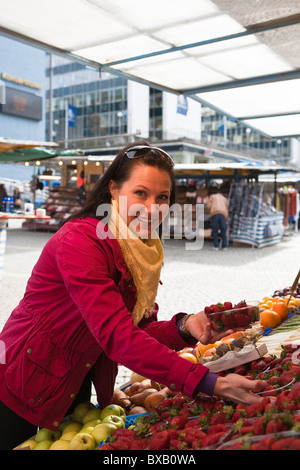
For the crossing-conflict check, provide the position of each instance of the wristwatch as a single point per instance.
(182, 326)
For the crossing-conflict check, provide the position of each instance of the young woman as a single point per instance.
(90, 304)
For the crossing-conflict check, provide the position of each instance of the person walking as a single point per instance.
(218, 211)
(89, 305)
(3, 194)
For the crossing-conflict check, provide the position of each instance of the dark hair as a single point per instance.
(119, 171)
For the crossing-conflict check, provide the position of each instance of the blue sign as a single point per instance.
(182, 105)
(72, 115)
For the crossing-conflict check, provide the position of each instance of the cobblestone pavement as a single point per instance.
(191, 278)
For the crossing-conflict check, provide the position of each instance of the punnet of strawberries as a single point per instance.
(179, 423)
(225, 316)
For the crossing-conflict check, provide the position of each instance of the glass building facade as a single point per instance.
(101, 104)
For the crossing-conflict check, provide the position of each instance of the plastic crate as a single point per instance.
(131, 419)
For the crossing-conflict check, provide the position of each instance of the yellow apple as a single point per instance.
(102, 431)
(45, 434)
(92, 423)
(72, 427)
(91, 414)
(29, 443)
(81, 410)
(43, 445)
(61, 444)
(68, 436)
(82, 441)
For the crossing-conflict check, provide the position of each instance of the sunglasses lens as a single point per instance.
(137, 152)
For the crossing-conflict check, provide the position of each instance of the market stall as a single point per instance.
(4, 218)
(146, 415)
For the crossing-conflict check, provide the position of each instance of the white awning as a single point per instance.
(241, 58)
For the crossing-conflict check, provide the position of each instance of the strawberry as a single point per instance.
(217, 428)
(296, 372)
(140, 444)
(259, 426)
(216, 325)
(217, 418)
(286, 377)
(228, 321)
(274, 380)
(288, 443)
(208, 310)
(160, 441)
(178, 422)
(255, 409)
(192, 435)
(106, 447)
(192, 423)
(241, 320)
(227, 305)
(241, 370)
(212, 439)
(240, 304)
(236, 416)
(127, 433)
(176, 444)
(246, 430)
(274, 426)
(165, 403)
(173, 433)
(294, 394)
(121, 443)
(178, 401)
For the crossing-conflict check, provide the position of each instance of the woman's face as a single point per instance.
(143, 198)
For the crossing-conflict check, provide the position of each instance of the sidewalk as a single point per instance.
(191, 279)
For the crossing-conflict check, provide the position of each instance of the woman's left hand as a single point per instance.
(198, 325)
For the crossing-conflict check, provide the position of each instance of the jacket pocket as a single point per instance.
(37, 371)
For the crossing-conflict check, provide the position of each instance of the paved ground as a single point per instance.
(191, 279)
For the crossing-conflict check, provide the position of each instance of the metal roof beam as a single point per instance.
(250, 30)
(276, 77)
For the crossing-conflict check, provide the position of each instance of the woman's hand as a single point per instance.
(198, 325)
(238, 389)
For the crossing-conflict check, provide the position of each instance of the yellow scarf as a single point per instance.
(143, 259)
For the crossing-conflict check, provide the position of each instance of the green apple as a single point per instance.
(68, 436)
(43, 445)
(81, 409)
(45, 434)
(31, 443)
(113, 410)
(92, 423)
(60, 444)
(115, 420)
(91, 414)
(82, 441)
(102, 431)
(72, 426)
(88, 429)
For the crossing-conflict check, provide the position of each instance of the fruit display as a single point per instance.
(226, 316)
(178, 423)
(146, 415)
(286, 291)
(83, 430)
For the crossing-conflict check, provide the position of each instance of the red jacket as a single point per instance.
(74, 317)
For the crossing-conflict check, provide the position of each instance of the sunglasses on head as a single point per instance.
(142, 150)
